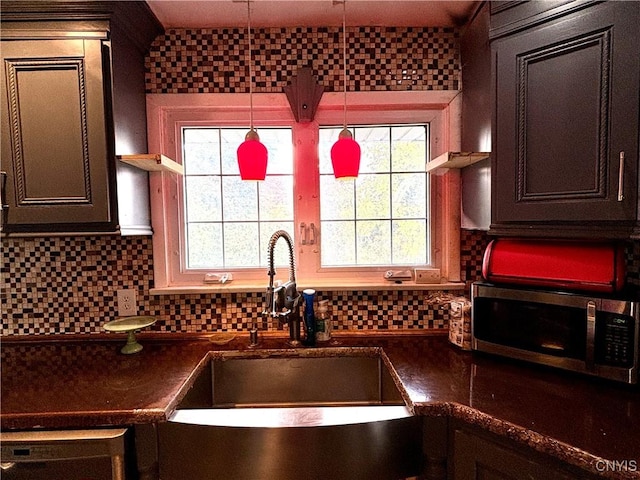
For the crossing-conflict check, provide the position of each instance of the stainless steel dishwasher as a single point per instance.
(66, 454)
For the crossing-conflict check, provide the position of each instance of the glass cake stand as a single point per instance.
(130, 325)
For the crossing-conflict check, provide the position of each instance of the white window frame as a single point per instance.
(168, 113)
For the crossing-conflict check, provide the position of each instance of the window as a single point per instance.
(351, 232)
(381, 218)
(227, 221)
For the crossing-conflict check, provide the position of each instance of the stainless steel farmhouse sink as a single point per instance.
(292, 414)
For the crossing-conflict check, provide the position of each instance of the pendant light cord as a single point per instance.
(344, 57)
(250, 66)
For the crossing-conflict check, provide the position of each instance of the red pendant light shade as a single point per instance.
(252, 157)
(345, 156)
(345, 153)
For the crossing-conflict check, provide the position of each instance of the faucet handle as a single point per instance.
(291, 294)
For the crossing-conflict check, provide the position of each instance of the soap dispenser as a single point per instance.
(309, 295)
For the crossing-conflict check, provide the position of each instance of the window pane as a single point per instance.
(241, 244)
(201, 151)
(373, 196)
(203, 199)
(338, 244)
(410, 244)
(375, 146)
(239, 199)
(374, 242)
(205, 245)
(337, 200)
(409, 148)
(409, 197)
(276, 198)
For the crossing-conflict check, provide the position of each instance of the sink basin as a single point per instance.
(283, 378)
(292, 414)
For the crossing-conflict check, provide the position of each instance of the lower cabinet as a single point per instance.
(478, 455)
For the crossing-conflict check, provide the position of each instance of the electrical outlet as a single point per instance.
(127, 303)
(427, 275)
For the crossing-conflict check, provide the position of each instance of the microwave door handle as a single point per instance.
(591, 335)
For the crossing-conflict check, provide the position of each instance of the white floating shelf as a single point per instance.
(456, 160)
(153, 162)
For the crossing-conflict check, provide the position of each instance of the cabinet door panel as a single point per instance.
(54, 132)
(552, 99)
(563, 115)
(476, 458)
(45, 91)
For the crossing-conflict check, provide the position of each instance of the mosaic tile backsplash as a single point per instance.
(378, 58)
(67, 285)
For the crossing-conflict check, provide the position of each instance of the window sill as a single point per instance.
(238, 287)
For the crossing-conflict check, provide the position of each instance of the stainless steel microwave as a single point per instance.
(581, 332)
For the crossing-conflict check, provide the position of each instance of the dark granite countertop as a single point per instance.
(76, 384)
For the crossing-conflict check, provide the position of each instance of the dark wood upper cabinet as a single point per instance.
(54, 140)
(475, 56)
(566, 89)
(73, 98)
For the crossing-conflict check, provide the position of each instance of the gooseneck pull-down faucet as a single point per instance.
(283, 301)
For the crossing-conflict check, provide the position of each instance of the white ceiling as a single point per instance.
(311, 13)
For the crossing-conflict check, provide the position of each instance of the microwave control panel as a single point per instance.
(617, 347)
